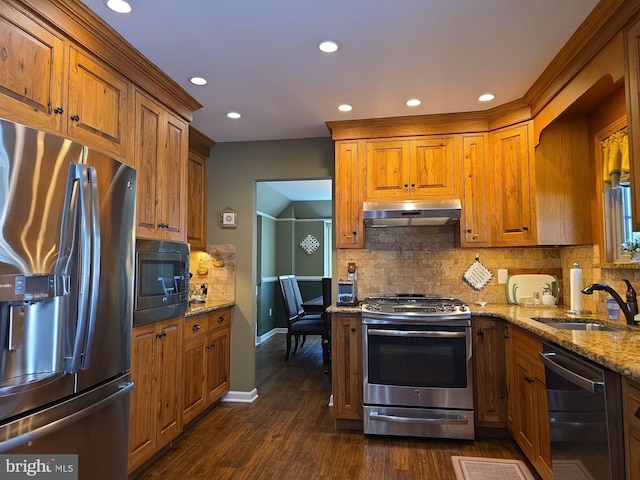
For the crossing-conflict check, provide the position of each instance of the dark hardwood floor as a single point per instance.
(288, 433)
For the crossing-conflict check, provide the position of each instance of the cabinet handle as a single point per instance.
(158, 335)
(637, 414)
(413, 185)
(220, 319)
(58, 110)
(196, 327)
(480, 332)
(525, 228)
(469, 230)
(75, 118)
(164, 334)
(353, 329)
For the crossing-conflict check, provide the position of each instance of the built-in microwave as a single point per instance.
(162, 280)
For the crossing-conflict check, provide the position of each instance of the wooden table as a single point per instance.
(315, 305)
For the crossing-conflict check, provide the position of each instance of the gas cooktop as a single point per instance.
(416, 305)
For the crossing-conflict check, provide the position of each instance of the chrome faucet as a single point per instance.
(630, 308)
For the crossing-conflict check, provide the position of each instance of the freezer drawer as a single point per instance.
(94, 425)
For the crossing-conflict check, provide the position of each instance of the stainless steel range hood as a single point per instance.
(407, 213)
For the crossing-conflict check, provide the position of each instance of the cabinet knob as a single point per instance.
(637, 414)
(196, 327)
(469, 230)
(413, 185)
(58, 110)
(480, 332)
(525, 228)
(353, 329)
(220, 319)
(75, 118)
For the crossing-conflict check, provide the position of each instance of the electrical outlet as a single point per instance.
(503, 273)
(271, 312)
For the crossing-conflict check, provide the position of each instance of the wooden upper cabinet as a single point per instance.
(161, 152)
(32, 71)
(432, 169)
(387, 169)
(98, 104)
(349, 227)
(632, 86)
(411, 169)
(513, 181)
(475, 223)
(199, 147)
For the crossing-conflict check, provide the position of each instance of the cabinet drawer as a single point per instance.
(219, 318)
(526, 343)
(195, 326)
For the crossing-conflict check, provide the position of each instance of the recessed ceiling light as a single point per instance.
(345, 107)
(118, 6)
(198, 80)
(414, 102)
(487, 97)
(329, 46)
(233, 115)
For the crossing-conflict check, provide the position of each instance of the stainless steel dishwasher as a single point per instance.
(585, 416)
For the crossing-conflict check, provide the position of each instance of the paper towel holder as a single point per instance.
(579, 291)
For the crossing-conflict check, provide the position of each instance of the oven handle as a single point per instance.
(415, 333)
(458, 420)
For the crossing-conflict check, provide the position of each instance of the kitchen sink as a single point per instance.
(579, 325)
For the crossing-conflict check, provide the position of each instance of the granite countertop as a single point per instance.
(208, 306)
(618, 350)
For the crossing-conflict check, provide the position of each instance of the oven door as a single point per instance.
(418, 365)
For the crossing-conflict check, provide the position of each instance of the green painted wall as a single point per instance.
(234, 169)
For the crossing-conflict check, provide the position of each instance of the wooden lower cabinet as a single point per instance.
(206, 361)
(631, 409)
(346, 362)
(156, 411)
(528, 414)
(489, 372)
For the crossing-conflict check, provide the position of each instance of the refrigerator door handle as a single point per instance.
(94, 248)
(123, 389)
(81, 176)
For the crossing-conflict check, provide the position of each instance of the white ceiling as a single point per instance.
(261, 60)
(303, 190)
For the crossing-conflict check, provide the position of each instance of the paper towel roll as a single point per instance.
(575, 281)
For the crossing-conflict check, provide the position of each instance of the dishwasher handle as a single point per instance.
(549, 360)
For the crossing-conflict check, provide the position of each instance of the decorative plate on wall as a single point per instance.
(309, 244)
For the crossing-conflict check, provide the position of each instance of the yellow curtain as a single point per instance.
(615, 150)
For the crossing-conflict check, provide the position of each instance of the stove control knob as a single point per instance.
(452, 308)
(463, 308)
(442, 308)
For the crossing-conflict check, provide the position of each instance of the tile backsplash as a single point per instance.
(425, 260)
(217, 268)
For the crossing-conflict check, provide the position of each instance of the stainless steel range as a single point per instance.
(417, 367)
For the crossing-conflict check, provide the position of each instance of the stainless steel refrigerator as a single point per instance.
(67, 218)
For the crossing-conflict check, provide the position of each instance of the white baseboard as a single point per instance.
(270, 334)
(240, 397)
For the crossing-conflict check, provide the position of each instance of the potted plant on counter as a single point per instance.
(633, 248)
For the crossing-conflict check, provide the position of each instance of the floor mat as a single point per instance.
(571, 470)
(479, 468)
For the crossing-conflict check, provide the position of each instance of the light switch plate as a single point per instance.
(503, 273)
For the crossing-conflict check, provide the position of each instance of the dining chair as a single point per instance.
(299, 324)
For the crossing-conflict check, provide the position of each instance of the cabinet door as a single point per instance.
(217, 375)
(475, 223)
(432, 169)
(632, 93)
(148, 163)
(387, 170)
(349, 229)
(346, 360)
(143, 413)
(168, 374)
(30, 95)
(524, 406)
(513, 174)
(193, 386)
(489, 372)
(173, 199)
(98, 104)
(197, 202)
